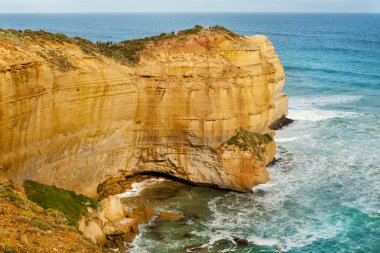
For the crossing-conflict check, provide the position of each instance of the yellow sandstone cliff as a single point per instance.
(196, 107)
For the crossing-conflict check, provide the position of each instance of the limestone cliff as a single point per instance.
(74, 118)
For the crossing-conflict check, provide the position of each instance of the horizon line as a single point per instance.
(201, 12)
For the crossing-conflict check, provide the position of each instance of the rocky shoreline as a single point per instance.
(112, 225)
(122, 216)
(281, 123)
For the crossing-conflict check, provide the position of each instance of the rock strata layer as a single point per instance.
(74, 119)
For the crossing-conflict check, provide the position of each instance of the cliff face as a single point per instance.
(75, 119)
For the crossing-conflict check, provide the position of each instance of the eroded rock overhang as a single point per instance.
(174, 112)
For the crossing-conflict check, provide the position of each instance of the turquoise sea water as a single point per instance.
(324, 194)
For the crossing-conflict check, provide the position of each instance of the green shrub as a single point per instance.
(73, 206)
(60, 61)
(249, 141)
(7, 248)
(7, 192)
(222, 28)
(27, 214)
(35, 230)
(41, 223)
(22, 218)
(125, 52)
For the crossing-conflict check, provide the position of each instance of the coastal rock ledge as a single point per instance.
(196, 106)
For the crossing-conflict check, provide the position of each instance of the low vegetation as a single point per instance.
(7, 191)
(128, 51)
(27, 227)
(125, 52)
(249, 141)
(73, 206)
(60, 61)
(7, 248)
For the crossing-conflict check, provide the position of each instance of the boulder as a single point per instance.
(141, 214)
(121, 245)
(113, 209)
(120, 227)
(171, 216)
(92, 231)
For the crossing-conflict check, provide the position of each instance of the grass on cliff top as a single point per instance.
(125, 52)
(73, 206)
(7, 248)
(249, 141)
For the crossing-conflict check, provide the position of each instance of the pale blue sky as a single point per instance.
(189, 5)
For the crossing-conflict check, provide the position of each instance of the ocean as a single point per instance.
(324, 193)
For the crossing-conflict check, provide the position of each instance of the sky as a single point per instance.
(70, 6)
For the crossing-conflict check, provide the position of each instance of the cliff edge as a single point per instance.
(196, 105)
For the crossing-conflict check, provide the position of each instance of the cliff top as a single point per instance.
(126, 52)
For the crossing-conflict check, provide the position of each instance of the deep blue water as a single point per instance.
(324, 195)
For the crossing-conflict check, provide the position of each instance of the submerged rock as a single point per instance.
(273, 162)
(241, 242)
(171, 216)
(142, 214)
(194, 247)
(281, 123)
(259, 192)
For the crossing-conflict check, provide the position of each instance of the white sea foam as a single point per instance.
(214, 237)
(316, 101)
(309, 107)
(264, 213)
(288, 139)
(306, 235)
(225, 235)
(262, 241)
(141, 243)
(293, 210)
(262, 186)
(319, 115)
(138, 187)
